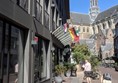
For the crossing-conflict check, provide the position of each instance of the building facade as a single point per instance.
(82, 22)
(26, 39)
(104, 27)
(116, 37)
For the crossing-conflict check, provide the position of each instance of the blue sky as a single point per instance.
(82, 6)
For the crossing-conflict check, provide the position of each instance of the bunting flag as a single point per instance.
(74, 35)
(65, 27)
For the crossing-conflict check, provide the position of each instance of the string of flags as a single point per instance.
(74, 32)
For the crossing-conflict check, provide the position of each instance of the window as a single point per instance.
(109, 23)
(104, 26)
(87, 29)
(83, 29)
(40, 64)
(23, 4)
(11, 53)
(46, 15)
(38, 11)
(46, 4)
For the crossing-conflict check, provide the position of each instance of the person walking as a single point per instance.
(87, 71)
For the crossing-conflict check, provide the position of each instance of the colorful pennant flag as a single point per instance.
(77, 31)
(74, 35)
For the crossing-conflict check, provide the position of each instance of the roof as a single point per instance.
(78, 18)
(107, 47)
(107, 13)
(89, 42)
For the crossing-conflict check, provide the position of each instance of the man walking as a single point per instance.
(87, 71)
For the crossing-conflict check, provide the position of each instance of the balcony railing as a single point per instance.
(46, 19)
(38, 11)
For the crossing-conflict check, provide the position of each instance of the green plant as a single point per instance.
(94, 62)
(60, 69)
(116, 63)
(80, 52)
(69, 65)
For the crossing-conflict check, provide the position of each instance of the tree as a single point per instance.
(80, 52)
(94, 62)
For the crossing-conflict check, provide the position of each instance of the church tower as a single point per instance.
(94, 10)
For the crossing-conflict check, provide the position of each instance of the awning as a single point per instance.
(64, 37)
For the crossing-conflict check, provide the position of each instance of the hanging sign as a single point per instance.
(35, 40)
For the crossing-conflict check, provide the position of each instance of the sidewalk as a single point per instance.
(72, 80)
(78, 79)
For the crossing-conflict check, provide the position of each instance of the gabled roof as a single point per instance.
(107, 13)
(78, 18)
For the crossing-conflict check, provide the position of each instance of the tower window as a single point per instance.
(83, 29)
(87, 29)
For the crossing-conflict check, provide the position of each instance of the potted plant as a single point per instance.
(116, 66)
(59, 70)
(69, 67)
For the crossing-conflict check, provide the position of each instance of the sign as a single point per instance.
(35, 40)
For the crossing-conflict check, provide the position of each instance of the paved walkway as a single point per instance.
(77, 80)
(102, 69)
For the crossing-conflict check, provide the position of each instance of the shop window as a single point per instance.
(40, 64)
(11, 54)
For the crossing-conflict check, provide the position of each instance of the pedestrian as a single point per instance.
(16, 72)
(106, 78)
(87, 71)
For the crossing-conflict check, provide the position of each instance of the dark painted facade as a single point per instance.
(27, 45)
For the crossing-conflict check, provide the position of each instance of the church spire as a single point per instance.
(94, 9)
